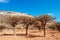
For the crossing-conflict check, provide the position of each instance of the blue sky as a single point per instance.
(32, 7)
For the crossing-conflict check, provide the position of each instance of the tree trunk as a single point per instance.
(59, 28)
(27, 29)
(4, 31)
(44, 32)
(14, 30)
(39, 28)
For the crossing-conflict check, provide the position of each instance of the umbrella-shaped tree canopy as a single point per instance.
(4, 25)
(44, 19)
(27, 21)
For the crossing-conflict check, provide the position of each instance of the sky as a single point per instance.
(33, 7)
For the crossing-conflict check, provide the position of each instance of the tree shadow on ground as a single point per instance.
(33, 36)
(54, 32)
(6, 34)
(20, 34)
(28, 36)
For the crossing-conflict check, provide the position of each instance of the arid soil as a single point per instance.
(32, 35)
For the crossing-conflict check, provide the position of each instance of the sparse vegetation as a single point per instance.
(27, 21)
(44, 19)
(58, 26)
(53, 27)
(38, 22)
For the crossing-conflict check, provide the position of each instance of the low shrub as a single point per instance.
(53, 27)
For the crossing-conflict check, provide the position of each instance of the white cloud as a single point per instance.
(51, 14)
(4, 1)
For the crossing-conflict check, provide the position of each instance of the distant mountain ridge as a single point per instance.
(14, 13)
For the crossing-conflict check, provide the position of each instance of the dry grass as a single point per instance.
(32, 35)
